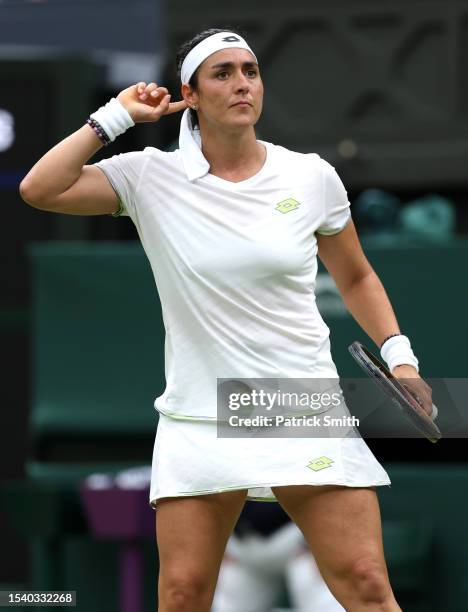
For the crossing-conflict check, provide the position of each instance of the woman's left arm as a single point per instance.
(358, 284)
(365, 296)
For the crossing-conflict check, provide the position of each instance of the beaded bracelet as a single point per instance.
(388, 338)
(100, 133)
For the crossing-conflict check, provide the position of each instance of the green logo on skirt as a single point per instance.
(320, 463)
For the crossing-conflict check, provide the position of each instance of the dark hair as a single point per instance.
(185, 49)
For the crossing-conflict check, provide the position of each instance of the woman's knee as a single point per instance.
(368, 578)
(185, 591)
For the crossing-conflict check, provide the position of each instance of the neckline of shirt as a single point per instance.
(216, 180)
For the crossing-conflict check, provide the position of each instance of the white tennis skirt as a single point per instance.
(189, 459)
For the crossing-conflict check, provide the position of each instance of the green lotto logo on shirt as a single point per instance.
(320, 463)
(287, 205)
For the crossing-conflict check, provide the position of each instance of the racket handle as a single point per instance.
(434, 413)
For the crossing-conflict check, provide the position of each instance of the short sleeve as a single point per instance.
(123, 172)
(336, 206)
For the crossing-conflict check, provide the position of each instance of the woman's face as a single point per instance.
(229, 90)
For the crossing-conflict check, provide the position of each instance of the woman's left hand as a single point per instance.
(416, 385)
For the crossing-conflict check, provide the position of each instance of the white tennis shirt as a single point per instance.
(235, 266)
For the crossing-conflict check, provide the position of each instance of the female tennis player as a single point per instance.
(232, 227)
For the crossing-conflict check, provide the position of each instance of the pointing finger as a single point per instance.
(175, 107)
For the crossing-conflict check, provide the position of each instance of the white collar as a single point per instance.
(195, 163)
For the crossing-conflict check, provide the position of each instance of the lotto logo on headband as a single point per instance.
(231, 39)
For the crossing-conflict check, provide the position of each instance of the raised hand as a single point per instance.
(148, 103)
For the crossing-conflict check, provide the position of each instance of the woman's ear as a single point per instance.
(189, 95)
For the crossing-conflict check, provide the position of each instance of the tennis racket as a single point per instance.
(401, 395)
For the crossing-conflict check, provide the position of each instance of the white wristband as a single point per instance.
(113, 118)
(397, 351)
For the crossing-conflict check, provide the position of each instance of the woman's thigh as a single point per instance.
(192, 533)
(342, 526)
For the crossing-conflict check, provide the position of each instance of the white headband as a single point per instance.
(208, 46)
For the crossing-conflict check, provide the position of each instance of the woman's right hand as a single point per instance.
(148, 102)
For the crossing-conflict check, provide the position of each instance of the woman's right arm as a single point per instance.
(62, 182)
